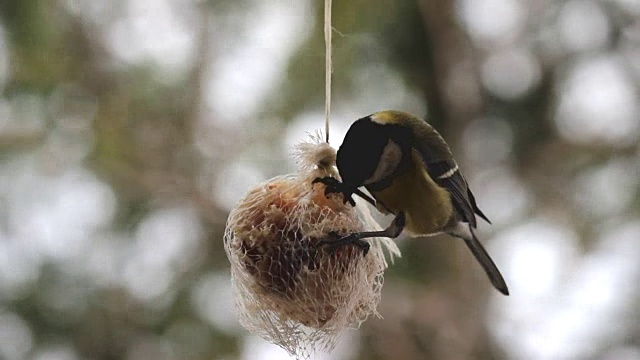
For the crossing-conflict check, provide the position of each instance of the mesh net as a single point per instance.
(287, 289)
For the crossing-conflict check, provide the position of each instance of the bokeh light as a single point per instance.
(129, 129)
(598, 103)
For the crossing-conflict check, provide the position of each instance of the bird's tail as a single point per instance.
(485, 260)
(487, 263)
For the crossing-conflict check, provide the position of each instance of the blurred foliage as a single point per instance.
(153, 135)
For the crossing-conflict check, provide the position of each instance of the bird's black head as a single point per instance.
(361, 150)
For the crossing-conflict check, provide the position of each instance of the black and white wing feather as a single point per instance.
(447, 175)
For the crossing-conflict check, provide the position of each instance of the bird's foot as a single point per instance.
(338, 241)
(333, 185)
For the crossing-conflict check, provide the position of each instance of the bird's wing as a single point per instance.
(447, 175)
(444, 171)
(478, 212)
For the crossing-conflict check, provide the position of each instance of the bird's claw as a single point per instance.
(339, 241)
(332, 186)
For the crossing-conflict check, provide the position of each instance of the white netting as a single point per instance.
(286, 289)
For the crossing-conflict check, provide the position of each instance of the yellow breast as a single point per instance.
(426, 205)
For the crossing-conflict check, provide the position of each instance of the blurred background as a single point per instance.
(129, 129)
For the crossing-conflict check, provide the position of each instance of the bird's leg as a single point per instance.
(393, 231)
(338, 241)
(333, 185)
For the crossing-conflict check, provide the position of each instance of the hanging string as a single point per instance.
(328, 66)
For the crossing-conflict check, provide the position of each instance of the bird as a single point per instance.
(410, 172)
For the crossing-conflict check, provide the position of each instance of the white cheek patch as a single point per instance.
(389, 161)
(449, 173)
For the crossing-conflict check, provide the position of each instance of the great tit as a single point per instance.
(409, 170)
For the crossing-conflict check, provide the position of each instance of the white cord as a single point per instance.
(328, 66)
